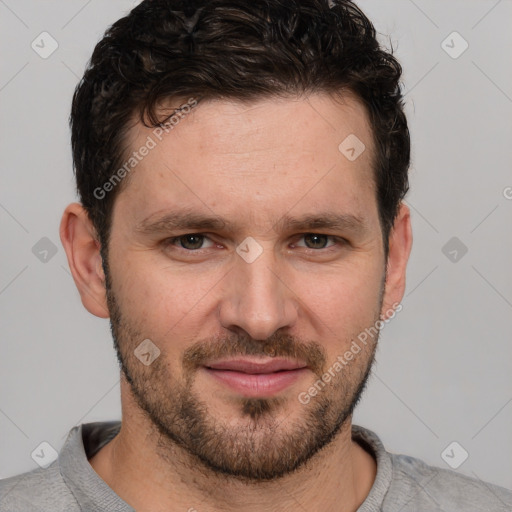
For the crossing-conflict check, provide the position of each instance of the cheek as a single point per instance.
(349, 297)
(164, 303)
(342, 308)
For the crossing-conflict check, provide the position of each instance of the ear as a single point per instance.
(79, 239)
(400, 243)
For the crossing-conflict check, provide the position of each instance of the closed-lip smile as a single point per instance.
(257, 377)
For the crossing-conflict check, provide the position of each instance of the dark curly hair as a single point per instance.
(233, 49)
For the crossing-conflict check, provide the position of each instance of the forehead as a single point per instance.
(255, 160)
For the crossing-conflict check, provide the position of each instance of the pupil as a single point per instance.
(187, 238)
(315, 239)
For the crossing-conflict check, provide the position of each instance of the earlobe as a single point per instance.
(78, 237)
(400, 243)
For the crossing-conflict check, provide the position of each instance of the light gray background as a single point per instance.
(444, 364)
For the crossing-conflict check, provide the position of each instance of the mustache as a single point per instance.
(278, 345)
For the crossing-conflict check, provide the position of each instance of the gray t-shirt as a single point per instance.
(402, 483)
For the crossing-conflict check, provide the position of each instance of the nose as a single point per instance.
(257, 299)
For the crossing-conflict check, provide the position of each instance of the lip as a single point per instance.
(256, 366)
(256, 377)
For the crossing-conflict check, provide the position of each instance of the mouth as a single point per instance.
(257, 377)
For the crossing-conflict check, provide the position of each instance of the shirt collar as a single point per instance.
(92, 493)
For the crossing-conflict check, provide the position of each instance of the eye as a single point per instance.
(189, 242)
(318, 241)
(194, 242)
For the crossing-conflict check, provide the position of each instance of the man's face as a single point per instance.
(294, 295)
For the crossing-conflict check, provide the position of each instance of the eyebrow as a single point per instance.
(183, 220)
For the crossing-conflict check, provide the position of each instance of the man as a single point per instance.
(241, 167)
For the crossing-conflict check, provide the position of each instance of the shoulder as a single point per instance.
(426, 487)
(40, 489)
(407, 483)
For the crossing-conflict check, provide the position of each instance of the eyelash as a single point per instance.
(171, 241)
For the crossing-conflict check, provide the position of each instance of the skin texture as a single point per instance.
(188, 440)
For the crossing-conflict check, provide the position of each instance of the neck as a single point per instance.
(151, 478)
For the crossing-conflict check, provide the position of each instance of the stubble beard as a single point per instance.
(266, 444)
